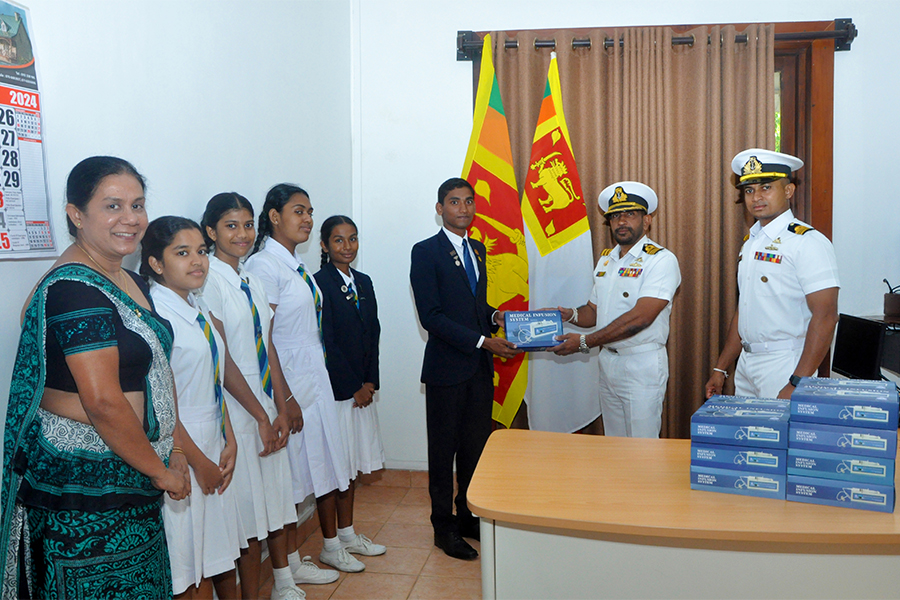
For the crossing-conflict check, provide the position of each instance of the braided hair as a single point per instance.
(216, 208)
(276, 198)
(325, 232)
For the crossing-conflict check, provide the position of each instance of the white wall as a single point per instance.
(209, 96)
(416, 117)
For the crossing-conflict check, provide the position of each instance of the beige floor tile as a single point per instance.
(411, 514)
(373, 512)
(441, 565)
(369, 494)
(451, 588)
(387, 477)
(384, 586)
(407, 536)
(417, 496)
(418, 479)
(401, 561)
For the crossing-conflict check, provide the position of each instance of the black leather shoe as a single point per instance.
(471, 529)
(453, 545)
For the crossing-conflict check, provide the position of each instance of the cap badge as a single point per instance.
(752, 167)
(619, 196)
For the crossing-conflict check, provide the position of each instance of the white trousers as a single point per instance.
(632, 390)
(764, 374)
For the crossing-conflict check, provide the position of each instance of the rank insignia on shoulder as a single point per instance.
(746, 237)
(606, 252)
(798, 228)
(651, 249)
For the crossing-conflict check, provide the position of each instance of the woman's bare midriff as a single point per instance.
(68, 404)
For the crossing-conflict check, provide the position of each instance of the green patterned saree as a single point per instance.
(75, 520)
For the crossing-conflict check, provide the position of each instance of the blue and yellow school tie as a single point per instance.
(353, 291)
(317, 298)
(264, 373)
(214, 350)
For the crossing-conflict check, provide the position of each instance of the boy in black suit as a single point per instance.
(449, 281)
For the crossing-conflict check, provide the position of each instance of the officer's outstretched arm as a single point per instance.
(630, 323)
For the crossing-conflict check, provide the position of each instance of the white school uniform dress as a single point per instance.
(262, 484)
(359, 426)
(319, 463)
(203, 532)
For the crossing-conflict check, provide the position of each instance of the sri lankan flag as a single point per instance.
(554, 203)
(498, 225)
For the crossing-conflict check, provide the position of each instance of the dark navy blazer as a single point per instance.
(351, 335)
(453, 317)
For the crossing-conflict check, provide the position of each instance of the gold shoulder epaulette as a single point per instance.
(606, 252)
(746, 237)
(651, 249)
(799, 229)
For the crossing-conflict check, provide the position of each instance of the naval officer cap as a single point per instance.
(627, 195)
(760, 166)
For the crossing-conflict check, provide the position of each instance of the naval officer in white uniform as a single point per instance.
(634, 284)
(788, 284)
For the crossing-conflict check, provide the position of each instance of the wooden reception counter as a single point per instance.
(575, 516)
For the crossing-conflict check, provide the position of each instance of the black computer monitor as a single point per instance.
(858, 347)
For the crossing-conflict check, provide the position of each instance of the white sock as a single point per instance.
(346, 534)
(332, 544)
(283, 578)
(294, 560)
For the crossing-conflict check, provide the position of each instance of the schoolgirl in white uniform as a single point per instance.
(203, 531)
(318, 460)
(262, 411)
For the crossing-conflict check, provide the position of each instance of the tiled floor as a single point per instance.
(392, 508)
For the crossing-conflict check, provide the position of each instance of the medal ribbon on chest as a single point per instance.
(767, 257)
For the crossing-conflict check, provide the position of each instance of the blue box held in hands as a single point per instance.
(533, 329)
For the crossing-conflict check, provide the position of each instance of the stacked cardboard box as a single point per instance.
(843, 443)
(739, 446)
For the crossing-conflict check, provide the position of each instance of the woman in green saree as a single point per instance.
(91, 416)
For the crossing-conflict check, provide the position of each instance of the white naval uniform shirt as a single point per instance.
(777, 269)
(619, 281)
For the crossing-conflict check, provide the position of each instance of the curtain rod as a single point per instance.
(468, 44)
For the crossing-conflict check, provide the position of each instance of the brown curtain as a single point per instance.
(671, 117)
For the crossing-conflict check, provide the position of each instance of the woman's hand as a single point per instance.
(269, 437)
(294, 415)
(173, 480)
(363, 396)
(226, 464)
(208, 475)
(283, 429)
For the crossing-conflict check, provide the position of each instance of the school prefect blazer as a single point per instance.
(453, 317)
(351, 335)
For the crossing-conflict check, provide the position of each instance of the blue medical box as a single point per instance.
(742, 458)
(844, 439)
(758, 427)
(847, 494)
(743, 483)
(844, 467)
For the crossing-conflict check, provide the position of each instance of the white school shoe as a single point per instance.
(365, 546)
(309, 572)
(341, 560)
(288, 593)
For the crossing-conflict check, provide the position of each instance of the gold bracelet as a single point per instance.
(177, 449)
